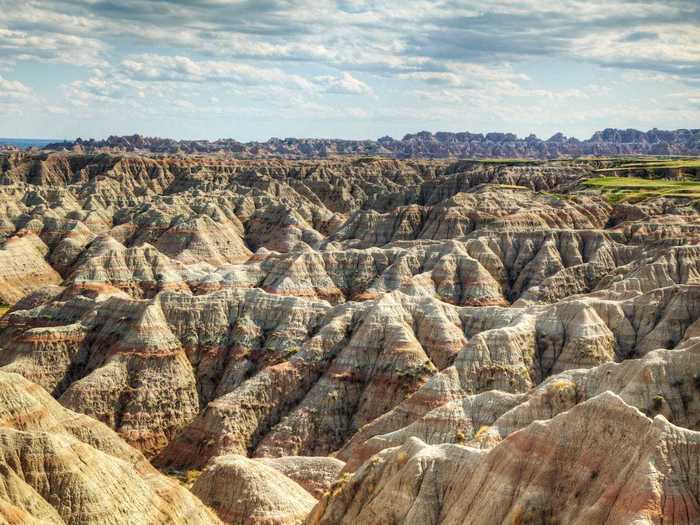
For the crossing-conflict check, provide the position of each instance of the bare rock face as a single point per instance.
(315, 474)
(249, 492)
(484, 207)
(455, 404)
(23, 268)
(387, 325)
(663, 382)
(140, 271)
(140, 382)
(62, 467)
(422, 144)
(601, 461)
(204, 240)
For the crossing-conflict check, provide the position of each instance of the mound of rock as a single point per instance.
(601, 461)
(62, 467)
(248, 492)
(315, 474)
(23, 268)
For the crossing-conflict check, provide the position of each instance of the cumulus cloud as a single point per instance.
(16, 46)
(392, 36)
(13, 89)
(14, 96)
(181, 68)
(142, 54)
(344, 84)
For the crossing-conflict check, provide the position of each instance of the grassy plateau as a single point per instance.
(635, 179)
(619, 189)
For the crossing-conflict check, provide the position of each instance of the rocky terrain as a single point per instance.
(419, 145)
(355, 340)
(62, 467)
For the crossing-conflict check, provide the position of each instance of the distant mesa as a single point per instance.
(424, 144)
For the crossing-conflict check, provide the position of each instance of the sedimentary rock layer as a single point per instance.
(305, 323)
(249, 492)
(600, 462)
(62, 467)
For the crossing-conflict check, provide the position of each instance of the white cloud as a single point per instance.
(279, 57)
(675, 48)
(345, 84)
(13, 89)
(435, 77)
(18, 46)
(183, 69)
(15, 97)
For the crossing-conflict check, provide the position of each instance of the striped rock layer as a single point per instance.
(367, 333)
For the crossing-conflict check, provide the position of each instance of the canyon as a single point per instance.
(351, 339)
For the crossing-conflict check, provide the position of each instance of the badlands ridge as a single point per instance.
(344, 341)
(424, 144)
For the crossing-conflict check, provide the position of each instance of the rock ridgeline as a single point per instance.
(344, 341)
(609, 142)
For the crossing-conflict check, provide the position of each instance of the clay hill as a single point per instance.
(417, 145)
(348, 341)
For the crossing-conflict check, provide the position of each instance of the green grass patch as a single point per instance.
(635, 189)
(639, 183)
(560, 196)
(659, 164)
(654, 167)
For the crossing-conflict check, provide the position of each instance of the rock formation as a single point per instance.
(61, 467)
(600, 462)
(23, 268)
(314, 474)
(364, 332)
(420, 145)
(249, 492)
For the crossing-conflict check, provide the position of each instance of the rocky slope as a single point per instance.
(61, 467)
(600, 462)
(362, 332)
(420, 145)
(249, 492)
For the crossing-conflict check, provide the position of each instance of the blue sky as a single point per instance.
(254, 69)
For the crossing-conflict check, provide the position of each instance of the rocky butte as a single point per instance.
(352, 339)
(418, 145)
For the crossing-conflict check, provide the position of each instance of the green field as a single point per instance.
(655, 167)
(658, 164)
(621, 189)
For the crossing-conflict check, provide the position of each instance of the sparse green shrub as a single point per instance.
(339, 483)
(293, 350)
(657, 403)
(191, 476)
(482, 433)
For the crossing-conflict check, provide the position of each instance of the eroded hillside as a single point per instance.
(410, 342)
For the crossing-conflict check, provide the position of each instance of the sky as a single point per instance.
(355, 69)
